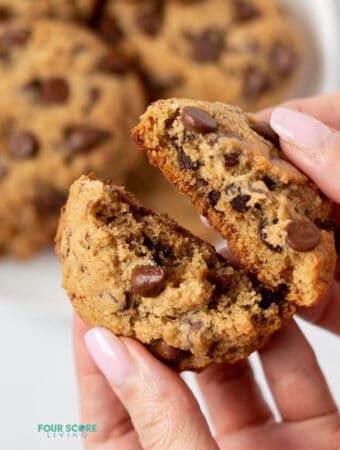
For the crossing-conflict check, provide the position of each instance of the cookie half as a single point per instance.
(66, 109)
(141, 275)
(232, 169)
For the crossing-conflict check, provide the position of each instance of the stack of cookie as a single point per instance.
(75, 76)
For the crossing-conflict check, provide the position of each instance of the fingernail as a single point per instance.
(300, 129)
(205, 222)
(110, 355)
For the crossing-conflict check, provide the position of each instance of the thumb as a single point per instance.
(311, 146)
(163, 410)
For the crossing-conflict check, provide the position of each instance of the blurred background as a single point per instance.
(37, 382)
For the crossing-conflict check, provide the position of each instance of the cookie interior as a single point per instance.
(141, 275)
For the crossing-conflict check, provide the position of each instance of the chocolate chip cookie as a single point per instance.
(139, 274)
(35, 9)
(231, 167)
(243, 52)
(65, 109)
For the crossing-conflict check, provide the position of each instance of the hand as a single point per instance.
(139, 403)
(314, 147)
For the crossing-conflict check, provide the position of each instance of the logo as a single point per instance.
(66, 431)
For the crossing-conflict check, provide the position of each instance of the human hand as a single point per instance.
(314, 147)
(139, 403)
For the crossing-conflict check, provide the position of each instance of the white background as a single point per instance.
(37, 379)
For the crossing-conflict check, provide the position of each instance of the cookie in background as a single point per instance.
(243, 52)
(65, 110)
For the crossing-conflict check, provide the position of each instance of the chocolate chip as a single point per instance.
(50, 200)
(256, 83)
(231, 159)
(55, 90)
(5, 14)
(245, 11)
(110, 30)
(160, 251)
(115, 63)
(265, 130)
(23, 145)
(328, 225)
(214, 197)
(331, 225)
(167, 353)
(186, 163)
(150, 22)
(97, 12)
(283, 60)
(163, 250)
(148, 281)
(3, 171)
(207, 46)
(269, 296)
(269, 182)
(15, 37)
(81, 139)
(302, 235)
(239, 203)
(221, 283)
(264, 237)
(197, 120)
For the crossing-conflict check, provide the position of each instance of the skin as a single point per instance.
(154, 409)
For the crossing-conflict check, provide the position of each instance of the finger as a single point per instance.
(326, 313)
(163, 410)
(233, 397)
(99, 404)
(311, 146)
(294, 376)
(324, 108)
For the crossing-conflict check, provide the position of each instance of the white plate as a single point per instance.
(34, 287)
(318, 22)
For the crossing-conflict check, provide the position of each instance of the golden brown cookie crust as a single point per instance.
(242, 183)
(196, 310)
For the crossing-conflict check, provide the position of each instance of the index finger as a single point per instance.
(324, 108)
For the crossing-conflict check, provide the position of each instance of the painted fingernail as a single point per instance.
(300, 129)
(205, 222)
(110, 355)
